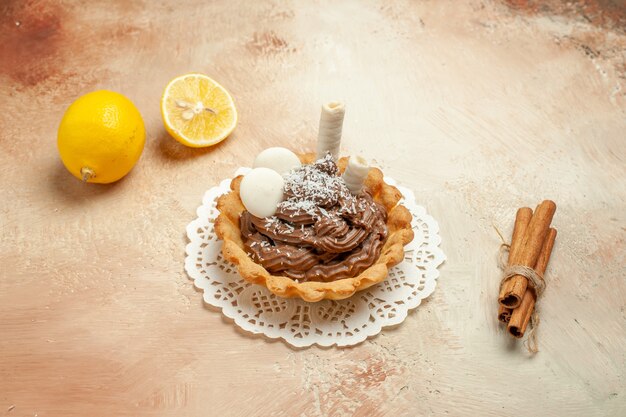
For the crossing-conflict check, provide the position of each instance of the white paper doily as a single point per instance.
(346, 322)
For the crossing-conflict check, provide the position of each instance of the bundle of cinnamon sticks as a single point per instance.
(531, 246)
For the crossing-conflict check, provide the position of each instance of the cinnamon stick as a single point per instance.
(504, 314)
(520, 317)
(522, 218)
(513, 290)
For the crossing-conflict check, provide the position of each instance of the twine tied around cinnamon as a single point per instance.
(535, 281)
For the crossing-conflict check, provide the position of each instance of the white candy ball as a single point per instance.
(281, 160)
(261, 190)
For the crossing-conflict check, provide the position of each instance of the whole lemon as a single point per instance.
(101, 137)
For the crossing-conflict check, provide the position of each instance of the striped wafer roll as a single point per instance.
(355, 173)
(329, 136)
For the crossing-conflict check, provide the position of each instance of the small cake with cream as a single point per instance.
(313, 226)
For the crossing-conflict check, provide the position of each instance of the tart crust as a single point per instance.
(392, 253)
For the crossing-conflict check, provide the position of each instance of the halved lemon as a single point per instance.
(197, 111)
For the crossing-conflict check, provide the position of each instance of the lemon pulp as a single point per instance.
(197, 111)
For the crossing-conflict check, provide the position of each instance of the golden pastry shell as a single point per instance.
(392, 253)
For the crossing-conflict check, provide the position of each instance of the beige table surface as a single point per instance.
(480, 106)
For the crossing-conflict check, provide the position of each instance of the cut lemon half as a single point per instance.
(197, 111)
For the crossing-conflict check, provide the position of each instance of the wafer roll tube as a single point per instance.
(355, 173)
(331, 123)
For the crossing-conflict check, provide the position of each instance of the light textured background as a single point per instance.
(480, 106)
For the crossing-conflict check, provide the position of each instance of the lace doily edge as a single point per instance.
(204, 211)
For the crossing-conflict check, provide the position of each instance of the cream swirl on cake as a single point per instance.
(320, 231)
(311, 230)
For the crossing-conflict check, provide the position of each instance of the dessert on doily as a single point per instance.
(313, 226)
